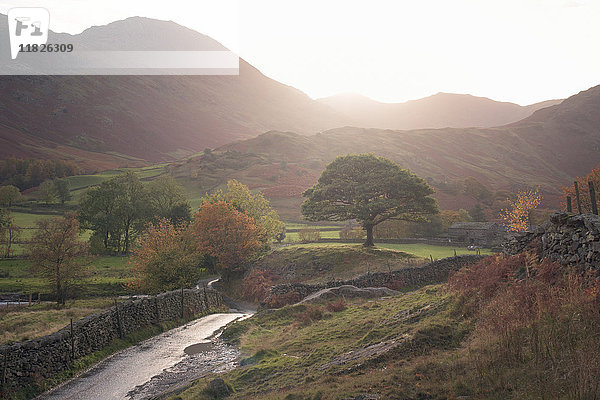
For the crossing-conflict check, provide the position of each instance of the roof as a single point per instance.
(474, 225)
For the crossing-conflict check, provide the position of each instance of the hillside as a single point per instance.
(547, 149)
(154, 118)
(438, 111)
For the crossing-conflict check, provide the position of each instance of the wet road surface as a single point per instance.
(154, 365)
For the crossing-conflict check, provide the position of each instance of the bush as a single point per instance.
(311, 313)
(309, 235)
(256, 285)
(280, 300)
(348, 233)
(336, 306)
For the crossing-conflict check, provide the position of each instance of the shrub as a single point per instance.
(348, 233)
(336, 306)
(311, 313)
(280, 300)
(309, 235)
(257, 284)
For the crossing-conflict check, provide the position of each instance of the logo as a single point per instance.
(28, 26)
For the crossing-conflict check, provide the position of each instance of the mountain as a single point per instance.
(125, 119)
(547, 149)
(438, 111)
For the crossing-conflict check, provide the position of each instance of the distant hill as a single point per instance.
(546, 149)
(153, 118)
(441, 110)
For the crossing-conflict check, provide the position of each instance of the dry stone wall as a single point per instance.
(570, 239)
(434, 272)
(37, 359)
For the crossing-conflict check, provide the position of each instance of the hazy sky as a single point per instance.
(522, 51)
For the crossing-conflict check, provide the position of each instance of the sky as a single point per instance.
(522, 51)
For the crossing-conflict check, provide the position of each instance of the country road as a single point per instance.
(129, 374)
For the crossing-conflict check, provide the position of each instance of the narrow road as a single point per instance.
(129, 374)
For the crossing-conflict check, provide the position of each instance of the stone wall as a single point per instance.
(434, 272)
(570, 239)
(37, 359)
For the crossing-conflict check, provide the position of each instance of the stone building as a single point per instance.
(475, 233)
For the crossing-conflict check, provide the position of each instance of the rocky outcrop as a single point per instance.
(567, 238)
(37, 359)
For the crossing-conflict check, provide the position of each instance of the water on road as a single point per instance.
(128, 374)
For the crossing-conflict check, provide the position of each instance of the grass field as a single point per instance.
(416, 250)
(22, 323)
(106, 277)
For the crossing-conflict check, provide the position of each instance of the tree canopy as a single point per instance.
(229, 236)
(369, 189)
(255, 206)
(9, 195)
(56, 253)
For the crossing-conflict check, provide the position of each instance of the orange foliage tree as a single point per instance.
(584, 192)
(227, 235)
(518, 216)
(166, 258)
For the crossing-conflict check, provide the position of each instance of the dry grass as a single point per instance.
(28, 322)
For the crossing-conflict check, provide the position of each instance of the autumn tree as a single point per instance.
(227, 235)
(56, 254)
(255, 205)
(584, 191)
(518, 216)
(166, 258)
(369, 189)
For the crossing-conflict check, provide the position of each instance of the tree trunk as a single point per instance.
(369, 242)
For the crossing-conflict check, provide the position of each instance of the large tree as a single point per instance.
(227, 235)
(56, 253)
(166, 258)
(254, 205)
(369, 189)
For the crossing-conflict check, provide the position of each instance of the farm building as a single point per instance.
(475, 233)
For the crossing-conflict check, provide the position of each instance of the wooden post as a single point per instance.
(593, 198)
(30, 298)
(206, 300)
(454, 252)
(569, 206)
(431, 257)
(120, 327)
(72, 342)
(577, 197)
(182, 305)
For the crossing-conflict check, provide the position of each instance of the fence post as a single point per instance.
(206, 300)
(454, 252)
(72, 342)
(431, 257)
(577, 197)
(182, 305)
(118, 319)
(569, 206)
(593, 198)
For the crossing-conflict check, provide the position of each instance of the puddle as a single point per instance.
(199, 348)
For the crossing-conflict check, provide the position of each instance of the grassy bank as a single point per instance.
(326, 352)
